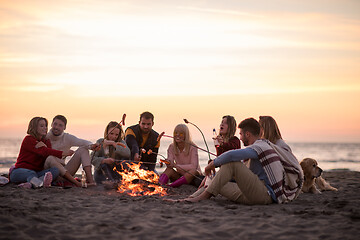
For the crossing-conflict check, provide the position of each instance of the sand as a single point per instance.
(98, 213)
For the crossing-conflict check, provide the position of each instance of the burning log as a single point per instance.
(139, 182)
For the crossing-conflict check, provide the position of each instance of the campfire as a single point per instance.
(139, 182)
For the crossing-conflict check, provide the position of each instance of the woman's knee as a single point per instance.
(20, 175)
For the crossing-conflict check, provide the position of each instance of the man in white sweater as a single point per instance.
(64, 141)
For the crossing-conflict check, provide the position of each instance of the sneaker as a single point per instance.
(26, 185)
(36, 182)
(47, 180)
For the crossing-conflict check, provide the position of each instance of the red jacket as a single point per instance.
(34, 158)
(234, 143)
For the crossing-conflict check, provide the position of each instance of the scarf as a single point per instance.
(282, 169)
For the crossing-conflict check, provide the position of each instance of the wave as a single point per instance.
(7, 160)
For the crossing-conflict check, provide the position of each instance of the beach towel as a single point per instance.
(282, 169)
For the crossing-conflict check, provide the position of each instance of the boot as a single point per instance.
(179, 182)
(163, 179)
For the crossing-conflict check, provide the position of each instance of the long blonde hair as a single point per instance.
(33, 125)
(270, 129)
(182, 128)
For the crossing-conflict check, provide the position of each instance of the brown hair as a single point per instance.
(114, 124)
(147, 115)
(231, 122)
(250, 125)
(33, 125)
(270, 129)
(61, 118)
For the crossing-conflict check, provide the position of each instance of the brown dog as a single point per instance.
(313, 182)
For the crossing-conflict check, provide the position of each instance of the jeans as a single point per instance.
(21, 175)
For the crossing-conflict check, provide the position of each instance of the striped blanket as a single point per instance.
(282, 169)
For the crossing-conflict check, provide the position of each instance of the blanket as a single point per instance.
(282, 169)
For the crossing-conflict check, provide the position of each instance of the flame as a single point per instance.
(147, 181)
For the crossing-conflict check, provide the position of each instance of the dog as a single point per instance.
(313, 182)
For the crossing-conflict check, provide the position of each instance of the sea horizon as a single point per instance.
(330, 155)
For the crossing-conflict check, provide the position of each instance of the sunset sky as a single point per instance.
(92, 61)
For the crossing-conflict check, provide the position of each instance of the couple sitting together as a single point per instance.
(41, 160)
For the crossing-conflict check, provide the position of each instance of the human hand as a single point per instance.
(220, 139)
(137, 157)
(40, 144)
(202, 183)
(68, 153)
(171, 163)
(210, 169)
(109, 143)
(95, 147)
(109, 161)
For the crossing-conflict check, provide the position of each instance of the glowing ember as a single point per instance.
(139, 182)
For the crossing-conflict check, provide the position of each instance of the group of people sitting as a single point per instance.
(264, 172)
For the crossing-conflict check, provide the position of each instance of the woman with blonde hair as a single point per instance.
(183, 158)
(35, 148)
(113, 148)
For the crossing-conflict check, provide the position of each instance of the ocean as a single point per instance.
(330, 156)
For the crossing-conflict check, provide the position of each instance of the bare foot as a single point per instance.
(91, 184)
(204, 195)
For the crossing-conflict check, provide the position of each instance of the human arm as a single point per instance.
(171, 156)
(78, 142)
(132, 144)
(41, 148)
(65, 153)
(233, 143)
(122, 150)
(97, 157)
(235, 156)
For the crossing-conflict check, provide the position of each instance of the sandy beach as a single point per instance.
(98, 213)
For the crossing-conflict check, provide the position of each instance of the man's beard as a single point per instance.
(55, 134)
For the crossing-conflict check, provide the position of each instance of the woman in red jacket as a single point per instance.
(29, 167)
(226, 138)
(226, 141)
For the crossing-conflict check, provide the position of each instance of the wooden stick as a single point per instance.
(192, 144)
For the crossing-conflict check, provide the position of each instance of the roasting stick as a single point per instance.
(193, 145)
(202, 134)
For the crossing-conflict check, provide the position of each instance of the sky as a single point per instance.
(92, 61)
